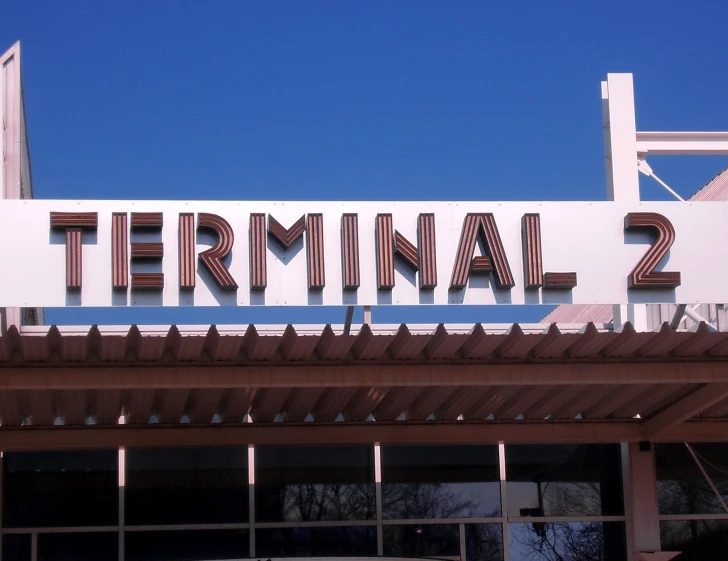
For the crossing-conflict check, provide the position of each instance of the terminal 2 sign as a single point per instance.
(176, 253)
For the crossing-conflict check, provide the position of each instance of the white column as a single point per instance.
(251, 498)
(378, 491)
(640, 500)
(620, 155)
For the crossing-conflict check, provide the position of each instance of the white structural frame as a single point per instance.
(625, 151)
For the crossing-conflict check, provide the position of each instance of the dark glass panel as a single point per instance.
(16, 547)
(425, 482)
(78, 547)
(295, 484)
(698, 540)
(564, 480)
(567, 541)
(350, 541)
(186, 545)
(422, 540)
(484, 542)
(186, 486)
(681, 486)
(61, 489)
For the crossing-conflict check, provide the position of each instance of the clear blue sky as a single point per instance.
(369, 100)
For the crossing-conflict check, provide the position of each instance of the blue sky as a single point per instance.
(335, 100)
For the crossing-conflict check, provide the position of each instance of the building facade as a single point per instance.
(596, 435)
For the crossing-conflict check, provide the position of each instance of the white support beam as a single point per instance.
(620, 154)
(685, 143)
(620, 138)
(640, 498)
(695, 403)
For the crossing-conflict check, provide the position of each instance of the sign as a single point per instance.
(176, 253)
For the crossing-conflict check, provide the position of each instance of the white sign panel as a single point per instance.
(176, 253)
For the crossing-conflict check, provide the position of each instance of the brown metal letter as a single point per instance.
(119, 252)
(385, 252)
(315, 248)
(187, 251)
(258, 265)
(212, 258)
(533, 259)
(147, 220)
(74, 223)
(284, 236)
(420, 258)
(427, 258)
(644, 274)
(496, 262)
(350, 251)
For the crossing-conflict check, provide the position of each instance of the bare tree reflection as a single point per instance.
(560, 541)
(338, 501)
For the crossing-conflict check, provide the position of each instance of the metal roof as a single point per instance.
(286, 374)
(253, 345)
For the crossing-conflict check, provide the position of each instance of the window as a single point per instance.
(681, 485)
(95, 546)
(295, 484)
(564, 480)
(55, 489)
(693, 519)
(186, 486)
(575, 541)
(436, 482)
(186, 545)
(350, 541)
(426, 540)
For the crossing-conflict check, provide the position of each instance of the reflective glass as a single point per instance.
(564, 480)
(186, 485)
(78, 547)
(681, 486)
(422, 540)
(425, 482)
(307, 483)
(350, 541)
(54, 489)
(698, 540)
(16, 547)
(483, 542)
(567, 541)
(186, 545)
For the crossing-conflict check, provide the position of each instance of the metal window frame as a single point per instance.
(378, 522)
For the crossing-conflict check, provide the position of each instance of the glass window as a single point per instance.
(572, 541)
(16, 547)
(426, 482)
(186, 545)
(186, 486)
(483, 542)
(422, 540)
(78, 547)
(61, 489)
(350, 541)
(295, 484)
(698, 540)
(681, 486)
(564, 480)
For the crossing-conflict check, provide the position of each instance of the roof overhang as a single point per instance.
(69, 387)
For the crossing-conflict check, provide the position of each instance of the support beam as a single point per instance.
(677, 317)
(694, 404)
(89, 437)
(361, 375)
(684, 143)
